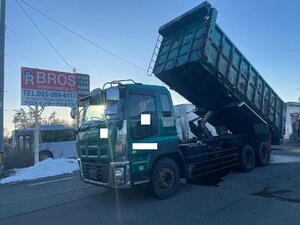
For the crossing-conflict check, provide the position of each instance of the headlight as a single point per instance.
(121, 150)
(119, 175)
(121, 145)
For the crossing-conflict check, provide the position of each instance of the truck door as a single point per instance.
(144, 129)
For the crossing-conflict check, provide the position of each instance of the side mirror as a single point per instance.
(73, 112)
(112, 95)
(111, 109)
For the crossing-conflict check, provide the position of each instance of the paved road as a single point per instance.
(269, 195)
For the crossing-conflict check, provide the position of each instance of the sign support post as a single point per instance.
(36, 135)
(77, 105)
(36, 132)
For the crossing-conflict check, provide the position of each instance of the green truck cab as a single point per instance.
(117, 147)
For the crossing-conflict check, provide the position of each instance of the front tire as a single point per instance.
(165, 178)
(247, 158)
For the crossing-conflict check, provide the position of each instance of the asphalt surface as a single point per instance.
(269, 195)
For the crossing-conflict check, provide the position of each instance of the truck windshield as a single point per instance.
(94, 112)
(97, 112)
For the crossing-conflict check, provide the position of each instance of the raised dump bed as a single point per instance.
(198, 60)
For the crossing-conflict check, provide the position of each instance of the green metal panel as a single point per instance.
(194, 46)
(140, 158)
(91, 147)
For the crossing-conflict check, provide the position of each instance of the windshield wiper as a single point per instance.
(84, 126)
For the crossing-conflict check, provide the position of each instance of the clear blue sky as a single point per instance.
(267, 33)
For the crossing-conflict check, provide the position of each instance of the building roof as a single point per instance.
(292, 104)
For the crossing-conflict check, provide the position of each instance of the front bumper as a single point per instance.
(91, 176)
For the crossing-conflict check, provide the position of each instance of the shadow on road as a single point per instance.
(212, 179)
(267, 192)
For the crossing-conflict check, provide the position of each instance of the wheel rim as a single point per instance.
(44, 157)
(248, 158)
(166, 177)
(263, 154)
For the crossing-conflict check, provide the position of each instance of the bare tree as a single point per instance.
(52, 120)
(23, 119)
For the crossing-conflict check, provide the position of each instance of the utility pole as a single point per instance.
(2, 44)
(77, 107)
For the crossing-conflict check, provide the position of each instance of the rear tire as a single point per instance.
(247, 159)
(262, 155)
(164, 178)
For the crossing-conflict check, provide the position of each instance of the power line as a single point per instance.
(39, 30)
(28, 43)
(84, 38)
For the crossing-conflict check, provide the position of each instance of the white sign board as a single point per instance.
(48, 88)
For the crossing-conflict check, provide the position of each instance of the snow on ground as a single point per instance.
(284, 159)
(46, 168)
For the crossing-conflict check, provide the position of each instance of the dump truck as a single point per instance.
(130, 134)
